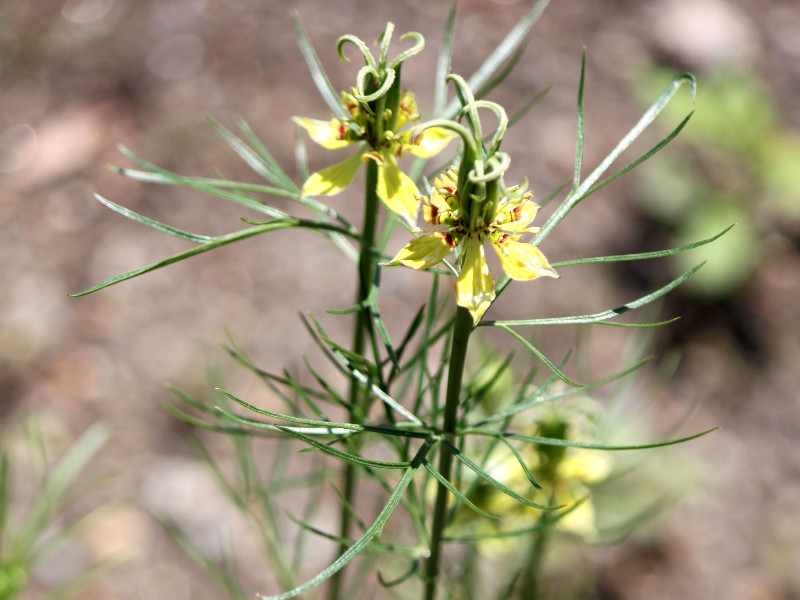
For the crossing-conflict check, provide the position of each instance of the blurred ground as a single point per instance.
(81, 76)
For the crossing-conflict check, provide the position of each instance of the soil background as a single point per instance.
(79, 77)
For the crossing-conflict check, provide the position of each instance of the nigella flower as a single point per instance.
(377, 111)
(394, 187)
(500, 224)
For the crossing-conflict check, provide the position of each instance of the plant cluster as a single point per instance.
(458, 446)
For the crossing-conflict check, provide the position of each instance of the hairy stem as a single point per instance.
(366, 279)
(458, 353)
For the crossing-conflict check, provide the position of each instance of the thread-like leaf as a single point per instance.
(641, 255)
(556, 371)
(540, 397)
(601, 316)
(459, 496)
(504, 49)
(216, 242)
(373, 532)
(326, 90)
(576, 177)
(590, 445)
(467, 462)
(157, 225)
(230, 192)
(443, 63)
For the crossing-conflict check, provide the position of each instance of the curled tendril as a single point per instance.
(495, 167)
(387, 82)
(362, 48)
(502, 122)
(385, 38)
(382, 72)
(418, 46)
(469, 109)
(457, 128)
(515, 191)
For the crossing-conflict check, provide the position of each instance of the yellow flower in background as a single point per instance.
(394, 187)
(575, 470)
(500, 223)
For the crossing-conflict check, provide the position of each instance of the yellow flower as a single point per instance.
(394, 187)
(499, 223)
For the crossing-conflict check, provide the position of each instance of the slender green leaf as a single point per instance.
(326, 90)
(601, 316)
(504, 49)
(540, 398)
(291, 419)
(522, 464)
(543, 523)
(279, 176)
(373, 532)
(443, 63)
(353, 458)
(218, 574)
(589, 445)
(56, 485)
(517, 116)
(412, 571)
(5, 476)
(504, 72)
(259, 161)
(178, 233)
(556, 371)
(641, 255)
(209, 186)
(576, 178)
(216, 242)
(644, 122)
(467, 462)
(375, 546)
(459, 496)
(363, 379)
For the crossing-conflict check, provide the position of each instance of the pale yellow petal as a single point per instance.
(518, 216)
(328, 134)
(584, 465)
(522, 261)
(397, 191)
(474, 286)
(581, 519)
(422, 252)
(432, 141)
(333, 179)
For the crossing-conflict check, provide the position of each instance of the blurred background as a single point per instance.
(80, 77)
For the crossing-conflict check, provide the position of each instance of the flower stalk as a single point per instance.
(458, 354)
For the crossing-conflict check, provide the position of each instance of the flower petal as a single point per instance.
(397, 190)
(581, 519)
(518, 216)
(522, 261)
(422, 252)
(328, 134)
(474, 286)
(333, 179)
(431, 142)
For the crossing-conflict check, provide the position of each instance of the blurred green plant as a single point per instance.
(32, 536)
(414, 422)
(740, 165)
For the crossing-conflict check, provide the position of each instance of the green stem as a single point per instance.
(458, 354)
(366, 278)
(531, 588)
